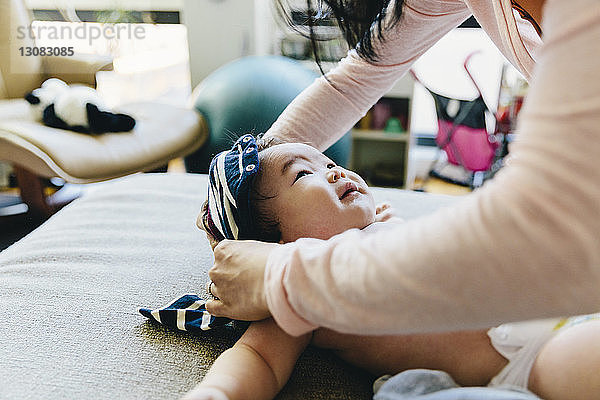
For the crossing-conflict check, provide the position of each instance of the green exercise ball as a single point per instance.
(247, 95)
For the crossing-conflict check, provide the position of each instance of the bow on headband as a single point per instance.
(231, 175)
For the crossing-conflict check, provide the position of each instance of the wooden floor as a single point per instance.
(438, 186)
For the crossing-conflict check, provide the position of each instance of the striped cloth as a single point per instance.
(231, 175)
(186, 313)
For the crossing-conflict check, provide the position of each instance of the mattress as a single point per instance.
(70, 292)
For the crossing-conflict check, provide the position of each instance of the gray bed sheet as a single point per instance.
(69, 292)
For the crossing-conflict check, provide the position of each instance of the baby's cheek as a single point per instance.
(307, 220)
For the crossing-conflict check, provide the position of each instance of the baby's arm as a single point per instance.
(256, 367)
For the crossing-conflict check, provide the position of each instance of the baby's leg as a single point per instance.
(568, 365)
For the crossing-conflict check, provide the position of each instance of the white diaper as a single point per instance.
(520, 344)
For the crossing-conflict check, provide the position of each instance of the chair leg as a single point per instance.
(32, 192)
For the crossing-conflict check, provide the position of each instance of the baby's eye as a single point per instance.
(301, 174)
(330, 165)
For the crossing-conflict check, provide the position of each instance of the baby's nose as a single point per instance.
(335, 174)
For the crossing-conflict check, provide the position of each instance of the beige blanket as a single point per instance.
(69, 292)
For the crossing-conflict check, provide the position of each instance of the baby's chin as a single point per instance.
(327, 232)
(367, 219)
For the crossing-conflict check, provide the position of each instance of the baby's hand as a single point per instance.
(385, 212)
(201, 392)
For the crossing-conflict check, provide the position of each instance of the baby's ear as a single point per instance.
(199, 222)
(201, 215)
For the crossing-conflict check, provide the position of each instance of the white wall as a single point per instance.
(223, 30)
(218, 31)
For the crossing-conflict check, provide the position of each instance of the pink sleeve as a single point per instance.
(524, 246)
(324, 111)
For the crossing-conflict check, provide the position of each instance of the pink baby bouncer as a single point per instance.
(464, 136)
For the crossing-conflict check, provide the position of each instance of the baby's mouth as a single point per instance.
(349, 189)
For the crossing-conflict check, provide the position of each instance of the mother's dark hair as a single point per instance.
(359, 20)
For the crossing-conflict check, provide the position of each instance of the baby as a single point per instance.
(288, 191)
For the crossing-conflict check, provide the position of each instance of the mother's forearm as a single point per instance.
(488, 260)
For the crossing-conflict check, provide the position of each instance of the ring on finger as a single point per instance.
(209, 290)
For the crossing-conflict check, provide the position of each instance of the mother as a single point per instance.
(524, 246)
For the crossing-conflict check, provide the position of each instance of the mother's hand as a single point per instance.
(238, 280)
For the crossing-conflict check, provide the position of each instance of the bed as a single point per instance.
(70, 292)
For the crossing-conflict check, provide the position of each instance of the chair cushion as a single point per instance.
(70, 291)
(15, 109)
(162, 132)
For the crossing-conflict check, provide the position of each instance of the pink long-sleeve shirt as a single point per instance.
(526, 245)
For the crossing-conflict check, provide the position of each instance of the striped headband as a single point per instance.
(231, 174)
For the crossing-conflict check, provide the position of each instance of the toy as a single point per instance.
(75, 107)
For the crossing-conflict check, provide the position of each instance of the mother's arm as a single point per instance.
(524, 246)
(328, 108)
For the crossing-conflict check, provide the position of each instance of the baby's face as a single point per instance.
(311, 196)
